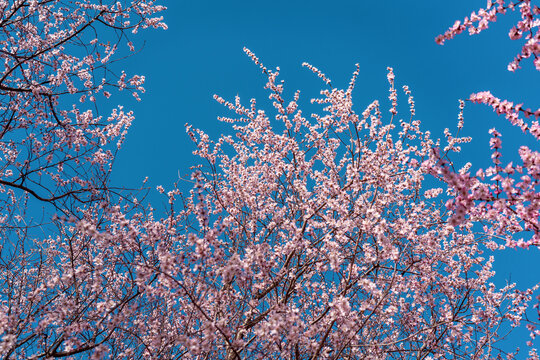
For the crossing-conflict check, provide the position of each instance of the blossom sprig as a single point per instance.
(393, 92)
(510, 111)
(528, 26)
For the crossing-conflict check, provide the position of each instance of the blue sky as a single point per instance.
(201, 55)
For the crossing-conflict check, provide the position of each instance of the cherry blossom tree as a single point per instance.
(316, 238)
(56, 151)
(303, 237)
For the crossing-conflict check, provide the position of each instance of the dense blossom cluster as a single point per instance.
(321, 239)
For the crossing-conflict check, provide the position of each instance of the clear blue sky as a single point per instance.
(201, 55)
